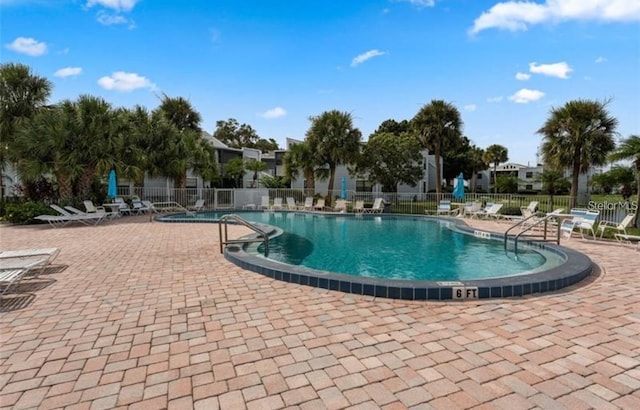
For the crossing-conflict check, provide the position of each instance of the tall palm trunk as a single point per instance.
(85, 181)
(332, 175)
(574, 185)
(436, 153)
(65, 188)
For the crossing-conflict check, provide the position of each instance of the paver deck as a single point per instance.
(150, 315)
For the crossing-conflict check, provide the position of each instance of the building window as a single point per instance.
(529, 174)
(363, 185)
(479, 176)
(528, 187)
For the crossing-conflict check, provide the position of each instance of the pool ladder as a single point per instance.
(224, 240)
(543, 221)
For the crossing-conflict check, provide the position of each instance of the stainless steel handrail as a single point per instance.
(528, 228)
(225, 241)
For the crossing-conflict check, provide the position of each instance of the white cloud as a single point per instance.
(276, 112)
(600, 60)
(107, 19)
(526, 95)
(125, 82)
(559, 70)
(523, 76)
(68, 72)
(366, 56)
(28, 46)
(494, 99)
(470, 107)
(117, 5)
(419, 3)
(520, 15)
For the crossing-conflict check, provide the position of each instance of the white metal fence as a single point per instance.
(405, 203)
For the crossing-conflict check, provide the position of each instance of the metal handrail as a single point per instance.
(528, 228)
(225, 241)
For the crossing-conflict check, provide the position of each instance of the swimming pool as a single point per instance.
(401, 251)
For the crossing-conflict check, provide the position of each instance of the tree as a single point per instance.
(495, 154)
(255, 166)
(506, 184)
(394, 127)
(392, 159)
(335, 141)
(22, 94)
(187, 142)
(236, 135)
(438, 126)
(235, 170)
(553, 183)
(300, 159)
(477, 163)
(629, 149)
(578, 135)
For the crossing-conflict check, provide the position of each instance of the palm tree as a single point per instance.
(22, 94)
(300, 159)
(578, 135)
(235, 170)
(438, 127)
(334, 141)
(495, 154)
(256, 167)
(477, 163)
(553, 182)
(629, 149)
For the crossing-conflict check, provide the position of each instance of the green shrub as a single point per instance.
(23, 213)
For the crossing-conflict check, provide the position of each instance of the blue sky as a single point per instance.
(273, 64)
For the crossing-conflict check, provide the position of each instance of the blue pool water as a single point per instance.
(388, 247)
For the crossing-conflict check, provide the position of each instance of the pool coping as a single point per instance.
(576, 267)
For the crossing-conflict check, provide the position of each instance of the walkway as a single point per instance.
(150, 315)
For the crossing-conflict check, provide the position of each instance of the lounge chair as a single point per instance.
(123, 207)
(198, 206)
(319, 206)
(621, 227)
(10, 277)
(74, 214)
(291, 204)
(582, 219)
(139, 207)
(533, 207)
(624, 238)
(358, 207)
(377, 208)
(308, 204)
(150, 206)
(277, 204)
(92, 209)
(56, 221)
(340, 206)
(12, 270)
(264, 204)
(490, 211)
(48, 255)
(444, 208)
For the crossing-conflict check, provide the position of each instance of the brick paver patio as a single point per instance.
(147, 315)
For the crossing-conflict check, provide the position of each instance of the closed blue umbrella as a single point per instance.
(458, 192)
(112, 188)
(344, 187)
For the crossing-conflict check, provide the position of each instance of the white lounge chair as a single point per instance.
(583, 220)
(533, 207)
(377, 208)
(74, 214)
(308, 204)
(319, 206)
(621, 226)
(139, 207)
(291, 204)
(123, 207)
(277, 204)
(198, 206)
(47, 255)
(264, 204)
(624, 238)
(150, 206)
(92, 209)
(358, 207)
(444, 208)
(340, 205)
(12, 270)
